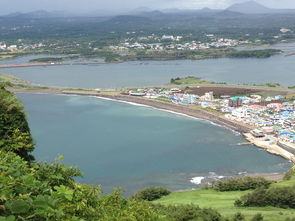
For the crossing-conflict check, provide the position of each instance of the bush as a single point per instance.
(187, 212)
(238, 217)
(244, 183)
(151, 193)
(283, 197)
(257, 217)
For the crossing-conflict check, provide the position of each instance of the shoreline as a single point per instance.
(200, 114)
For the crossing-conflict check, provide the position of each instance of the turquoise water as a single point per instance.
(118, 144)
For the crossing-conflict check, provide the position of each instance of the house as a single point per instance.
(235, 102)
(257, 133)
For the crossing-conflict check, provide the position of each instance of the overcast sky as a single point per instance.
(9, 6)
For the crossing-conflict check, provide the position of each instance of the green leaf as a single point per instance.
(19, 206)
(44, 202)
(65, 192)
(8, 218)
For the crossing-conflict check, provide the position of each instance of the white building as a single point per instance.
(208, 96)
(240, 113)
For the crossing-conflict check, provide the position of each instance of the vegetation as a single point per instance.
(47, 59)
(277, 195)
(9, 79)
(254, 53)
(188, 80)
(270, 85)
(15, 133)
(151, 193)
(164, 99)
(223, 202)
(187, 212)
(200, 54)
(289, 174)
(242, 184)
(280, 199)
(283, 197)
(41, 191)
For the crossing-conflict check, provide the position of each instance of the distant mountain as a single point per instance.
(37, 14)
(227, 13)
(250, 7)
(202, 11)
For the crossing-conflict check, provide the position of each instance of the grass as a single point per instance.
(207, 109)
(284, 183)
(12, 79)
(3, 57)
(223, 202)
(270, 93)
(164, 99)
(110, 92)
(290, 96)
(189, 81)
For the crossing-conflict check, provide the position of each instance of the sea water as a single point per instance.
(117, 144)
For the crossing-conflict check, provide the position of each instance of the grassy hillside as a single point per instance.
(223, 202)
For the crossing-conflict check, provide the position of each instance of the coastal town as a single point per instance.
(171, 42)
(271, 118)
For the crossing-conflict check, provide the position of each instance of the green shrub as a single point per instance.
(151, 193)
(238, 217)
(243, 183)
(187, 212)
(283, 197)
(257, 217)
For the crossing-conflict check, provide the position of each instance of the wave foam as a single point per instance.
(197, 180)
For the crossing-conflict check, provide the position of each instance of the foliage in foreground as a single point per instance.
(41, 191)
(241, 183)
